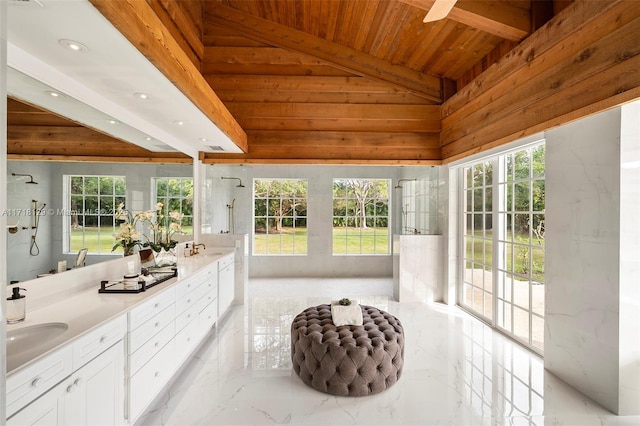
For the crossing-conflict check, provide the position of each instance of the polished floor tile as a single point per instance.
(457, 371)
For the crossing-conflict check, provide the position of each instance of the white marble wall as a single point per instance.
(417, 268)
(592, 227)
(629, 304)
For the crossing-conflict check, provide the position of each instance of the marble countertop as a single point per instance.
(85, 310)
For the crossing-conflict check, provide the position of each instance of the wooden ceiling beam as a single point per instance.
(66, 143)
(137, 21)
(340, 56)
(335, 147)
(492, 16)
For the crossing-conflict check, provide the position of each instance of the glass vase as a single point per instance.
(128, 251)
(165, 257)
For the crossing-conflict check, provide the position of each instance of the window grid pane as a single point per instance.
(361, 217)
(518, 199)
(92, 202)
(280, 216)
(176, 195)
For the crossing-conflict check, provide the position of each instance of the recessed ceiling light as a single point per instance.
(141, 95)
(178, 123)
(73, 45)
(203, 139)
(52, 93)
(112, 122)
(149, 138)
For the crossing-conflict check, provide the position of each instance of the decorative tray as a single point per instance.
(158, 276)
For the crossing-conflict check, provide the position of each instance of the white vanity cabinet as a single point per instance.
(150, 350)
(92, 388)
(226, 283)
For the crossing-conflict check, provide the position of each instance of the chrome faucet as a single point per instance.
(194, 249)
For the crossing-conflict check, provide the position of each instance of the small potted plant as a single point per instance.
(344, 302)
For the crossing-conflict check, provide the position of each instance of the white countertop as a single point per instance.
(88, 309)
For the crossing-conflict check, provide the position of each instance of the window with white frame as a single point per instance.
(361, 216)
(280, 216)
(503, 242)
(176, 195)
(91, 202)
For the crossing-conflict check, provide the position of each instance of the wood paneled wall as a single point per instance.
(583, 61)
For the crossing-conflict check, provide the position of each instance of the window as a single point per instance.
(503, 240)
(280, 216)
(92, 202)
(361, 216)
(176, 195)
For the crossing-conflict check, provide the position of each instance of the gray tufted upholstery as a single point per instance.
(347, 360)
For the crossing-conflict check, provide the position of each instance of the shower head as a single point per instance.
(31, 181)
(239, 185)
(404, 180)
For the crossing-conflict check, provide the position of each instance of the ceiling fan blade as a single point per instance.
(439, 10)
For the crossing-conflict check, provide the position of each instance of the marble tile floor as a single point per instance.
(457, 371)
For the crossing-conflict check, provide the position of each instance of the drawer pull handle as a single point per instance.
(156, 305)
(77, 382)
(103, 339)
(157, 324)
(36, 382)
(188, 339)
(189, 316)
(70, 388)
(157, 344)
(188, 300)
(157, 374)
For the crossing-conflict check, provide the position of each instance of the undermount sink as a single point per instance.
(32, 339)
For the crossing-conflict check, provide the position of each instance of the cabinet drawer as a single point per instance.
(208, 317)
(184, 303)
(186, 340)
(31, 382)
(150, 308)
(149, 380)
(186, 287)
(150, 328)
(97, 341)
(140, 357)
(225, 261)
(189, 315)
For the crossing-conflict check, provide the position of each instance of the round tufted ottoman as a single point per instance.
(348, 360)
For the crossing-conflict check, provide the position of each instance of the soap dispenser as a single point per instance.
(16, 306)
(187, 250)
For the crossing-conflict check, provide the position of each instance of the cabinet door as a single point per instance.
(226, 290)
(46, 410)
(94, 395)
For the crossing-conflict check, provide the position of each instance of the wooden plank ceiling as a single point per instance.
(33, 133)
(368, 82)
(340, 81)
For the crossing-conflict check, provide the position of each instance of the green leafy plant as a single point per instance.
(344, 302)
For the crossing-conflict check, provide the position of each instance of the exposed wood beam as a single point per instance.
(337, 117)
(278, 88)
(66, 143)
(492, 16)
(573, 67)
(137, 21)
(342, 57)
(98, 159)
(312, 147)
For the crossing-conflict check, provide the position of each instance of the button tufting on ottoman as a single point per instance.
(347, 360)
